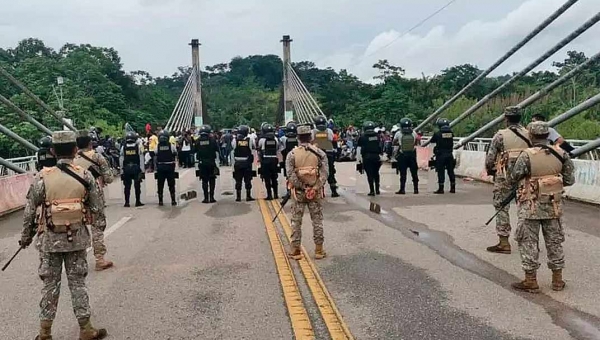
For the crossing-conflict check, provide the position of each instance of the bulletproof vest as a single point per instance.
(242, 149)
(86, 164)
(46, 158)
(131, 154)
(322, 140)
(407, 141)
(64, 209)
(371, 145)
(270, 148)
(306, 165)
(541, 192)
(446, 142)
(204, 149)
(164, 154)
(290, 143)
(512, 146)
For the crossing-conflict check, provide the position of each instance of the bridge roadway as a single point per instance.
(417, 270)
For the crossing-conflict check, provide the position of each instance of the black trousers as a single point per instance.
(242, 173)
(371, 165)
(208, 178)
(408, 161)
(445, 163)
(331, 163)
(130, 177)
(169, 176)
(269, 172)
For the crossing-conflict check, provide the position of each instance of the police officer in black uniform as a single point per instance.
(368, 151)
(45, 158)
(207, 152)
(406, 141)
(165, 166)
(242, 165)
(288, 142)
(132, 161)
(323, 138)
(444, 160)
(268, 147)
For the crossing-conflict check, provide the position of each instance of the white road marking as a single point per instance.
(352, 178)
(384, 191)
(114, 227)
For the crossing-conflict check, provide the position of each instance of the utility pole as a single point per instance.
(199, 116)
(288, 110)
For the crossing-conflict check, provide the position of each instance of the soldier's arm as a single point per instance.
(492, 154)
(104, 169)
(35, 198)
(324, 171)
(520, 170)
(568, 171)
(93, 200)
(290, 163)
(434, 138)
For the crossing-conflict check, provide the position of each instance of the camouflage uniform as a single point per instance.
(101, 167)
(315, 206)
(539, 202)
(58, 248)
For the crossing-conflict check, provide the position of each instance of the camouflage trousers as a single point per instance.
(50, 272)
(315, 208)
(501, 191)
(98, 233)
(527, 236)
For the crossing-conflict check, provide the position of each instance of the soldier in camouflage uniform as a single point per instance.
(541, 173)
(97, 165)
(68, 197)
(306, 167)
(504, 149)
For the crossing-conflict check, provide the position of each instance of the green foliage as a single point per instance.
(97, 91)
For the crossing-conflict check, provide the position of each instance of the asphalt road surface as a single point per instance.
(418, 269)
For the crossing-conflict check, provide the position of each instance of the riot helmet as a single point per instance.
(320, 122)
(243, 130)
(46, 142)
(441, 122)
(267, 129)
(205, 130)
(291, 129)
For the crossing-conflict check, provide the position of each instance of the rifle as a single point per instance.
(505, 203)
(12, 258)
(284, 201)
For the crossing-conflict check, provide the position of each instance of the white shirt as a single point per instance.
(553, 135)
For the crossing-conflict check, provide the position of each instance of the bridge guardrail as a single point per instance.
(26, 163)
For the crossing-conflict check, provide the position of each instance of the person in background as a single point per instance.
(186, 149)
(152, 147)
(553, 136)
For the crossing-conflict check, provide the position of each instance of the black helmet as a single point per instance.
(443, 122)
(267, 128)
(130, 136)
(205, 129)
(320, 120)
(46, 142)
(243, 130)
(291, 129)
(406, 123)
(368, 126)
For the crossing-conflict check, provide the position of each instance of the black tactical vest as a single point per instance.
(290, 144)
(270, 148)
(371, 145)
(131, 154)
(205, 151)
(242, 148)
(446, 142)
(45, 158)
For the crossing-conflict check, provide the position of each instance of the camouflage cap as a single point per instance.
(512, 111)
(303, 130)
(63, 137)
(538, 128)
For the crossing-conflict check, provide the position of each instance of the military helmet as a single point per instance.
(304, 130)
(130, 136)
(368, 126)
(205, 129)
(538, 130)
(443, 122)
(512, 111)
(45, 142)
(320, 120)
(406, 123)
(243, 130)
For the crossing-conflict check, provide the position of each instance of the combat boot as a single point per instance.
(503, 247)
(319, 252)
(371, 189)
(127, 197)
(87, 332)
(334, 192)
(212, 191)
(275, 191)
(249, 195)
(453, 188)
(529, 285)
(139, 204)
(238, 195)
(269, 194)
(440, 189)
(160, 200)
(102, 264)
(205, 200)
(377, 192)
(416, 187)
(45, 330)
(557, 282)
(402, 190)
(173, 200)
(295, 253)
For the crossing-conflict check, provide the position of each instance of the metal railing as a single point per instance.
(25, 163)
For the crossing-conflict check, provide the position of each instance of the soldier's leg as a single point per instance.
(127, 180)
(441, 172)
(315, 208)
(297, 211)
(98, 242)
(501, 191)
(554, 236)
(248, 184)
(205, 190)
(414, 173)
(331, 178)
(403, 165)
(527, 237)
(238, 175)
(50, 273)
(265, 175)
(171, 183)
(212, 181)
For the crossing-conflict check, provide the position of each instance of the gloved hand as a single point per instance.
(491, 172)
(25, 241)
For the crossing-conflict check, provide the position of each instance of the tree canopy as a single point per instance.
(246, 90)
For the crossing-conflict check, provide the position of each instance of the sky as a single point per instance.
(153, 35)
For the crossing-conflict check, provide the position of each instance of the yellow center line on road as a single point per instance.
(301, 325)
(337, 327)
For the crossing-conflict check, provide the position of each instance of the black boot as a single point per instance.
(416, 187)
(212, 190)
(238, 195)
(377, 192)
(452, 188)
(334, 192)
(205, 200)
(160, 200)
(138, 203)
(402, 190)
(249, 195)
(269, 192)
(275, 190)
(127, 196)
(173, 200)
(371, 189)
(440, 189)
(205, 191)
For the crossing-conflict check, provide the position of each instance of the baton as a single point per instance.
(12, 258)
